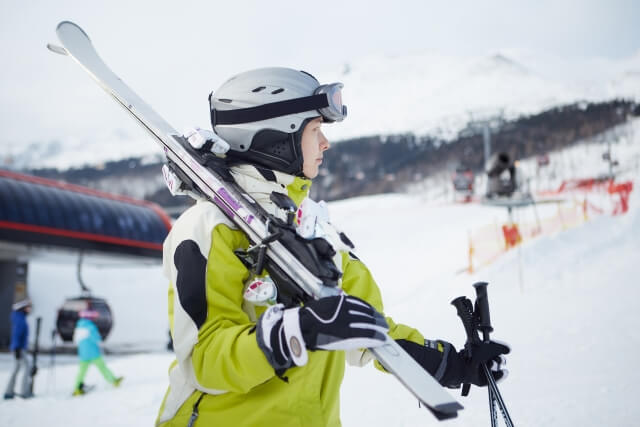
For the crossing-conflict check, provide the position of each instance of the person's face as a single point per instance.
(314, 144)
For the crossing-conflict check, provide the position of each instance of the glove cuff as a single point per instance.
(269, 334)
(443, 347)
(293, 336)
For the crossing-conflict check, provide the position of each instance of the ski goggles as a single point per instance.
(335, 111)
(326, 99)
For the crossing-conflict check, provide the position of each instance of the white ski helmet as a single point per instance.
(261, 114)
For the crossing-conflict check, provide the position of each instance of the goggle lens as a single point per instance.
(335, 112)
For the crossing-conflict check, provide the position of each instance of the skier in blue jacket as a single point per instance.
(19, 343)
(87, 337)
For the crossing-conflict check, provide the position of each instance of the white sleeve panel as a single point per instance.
(195, 224)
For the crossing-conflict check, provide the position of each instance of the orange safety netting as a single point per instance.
(581, 200)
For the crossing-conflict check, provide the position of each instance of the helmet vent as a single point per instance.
(225, 100)
(277, 91)
(258, 89)
(279, 148)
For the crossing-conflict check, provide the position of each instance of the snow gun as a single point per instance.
(476, 319)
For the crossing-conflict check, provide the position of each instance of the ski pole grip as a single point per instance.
(465, 312)
(482, 309)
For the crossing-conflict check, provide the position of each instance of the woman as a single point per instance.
(245, 361)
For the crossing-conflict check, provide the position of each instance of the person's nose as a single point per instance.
(324, 142)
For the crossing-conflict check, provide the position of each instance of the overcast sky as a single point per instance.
(175, 52)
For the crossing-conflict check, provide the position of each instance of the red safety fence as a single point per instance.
(577, 201)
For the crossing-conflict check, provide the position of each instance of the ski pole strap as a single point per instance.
(194, 412)
(465, 389)
(443, 366)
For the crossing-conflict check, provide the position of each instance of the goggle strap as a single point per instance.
(269, 111)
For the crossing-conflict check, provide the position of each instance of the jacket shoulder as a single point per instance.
(199, 219)
(196, 224)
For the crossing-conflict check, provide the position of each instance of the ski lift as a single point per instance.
(463, 179)
(68, 314)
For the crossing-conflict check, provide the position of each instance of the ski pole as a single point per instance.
(34, 367)
(471, 323)
(52, 362)
(496, 397)
(484, 324)
(492, 405)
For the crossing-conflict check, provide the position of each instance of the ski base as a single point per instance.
(415, 379)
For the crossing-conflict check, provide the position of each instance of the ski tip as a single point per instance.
(68, 24)
(441, 416)
(57, 49)
(445, 411)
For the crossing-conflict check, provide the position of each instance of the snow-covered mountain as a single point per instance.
(437, 94)
(424, 93)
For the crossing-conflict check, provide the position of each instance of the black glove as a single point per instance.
(453, 368)
(332, 323)
(18, 353)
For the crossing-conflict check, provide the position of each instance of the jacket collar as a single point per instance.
(260, 183)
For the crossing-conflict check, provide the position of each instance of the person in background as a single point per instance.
(19, 343)
(87, 338)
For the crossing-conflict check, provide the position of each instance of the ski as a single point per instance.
(36, 349)
(220, 189)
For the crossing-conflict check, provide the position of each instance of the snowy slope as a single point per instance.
(425, 93)
(566, 304)
(572, 324)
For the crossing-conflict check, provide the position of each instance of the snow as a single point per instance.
(566, 303)
(571, 323)
(133, 403)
